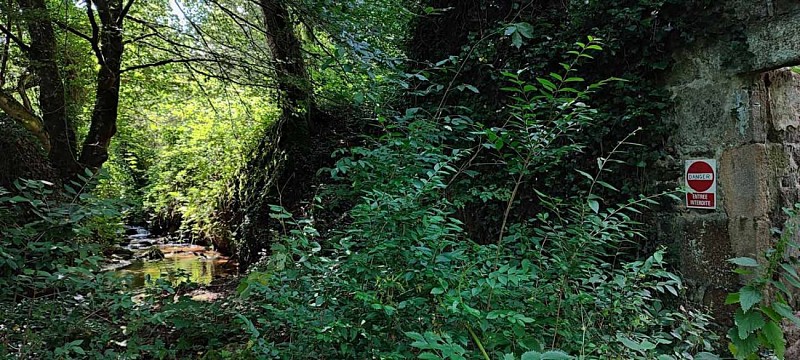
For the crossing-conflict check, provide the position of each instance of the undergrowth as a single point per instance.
(402, 279)
(398, 277)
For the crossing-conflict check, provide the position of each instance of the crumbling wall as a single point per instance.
(736, 102)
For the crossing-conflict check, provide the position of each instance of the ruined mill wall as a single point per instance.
(735, 101)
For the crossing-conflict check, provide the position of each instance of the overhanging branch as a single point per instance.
(27, 119)
(124, 12)
(95, 39)
(138, 38)
(165, 62)
(72, 30)
(15, 39)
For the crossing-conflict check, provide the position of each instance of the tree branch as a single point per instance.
(22, 88)
(14, 38)
(72, 30)
(5, 52)
(165, 62)
(27, 119)
(95, 39)
(124, 12)
(140, 37)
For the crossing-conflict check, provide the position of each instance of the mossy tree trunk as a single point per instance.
(52, 102)
(55, 127)
(283, 166)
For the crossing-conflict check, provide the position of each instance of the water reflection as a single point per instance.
(180, 264)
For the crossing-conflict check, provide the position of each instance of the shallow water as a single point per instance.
(179, 268)
(182, 263)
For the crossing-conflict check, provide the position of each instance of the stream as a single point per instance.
(148, 258)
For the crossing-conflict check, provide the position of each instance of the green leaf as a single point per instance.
(744, 261)
(471, 88)
(607, 185)
(415, 336)
(550, 355)
(531, 355)
(17, 199)
(633, 345)
(429, 356)
(790, 270)
(556, 355)
(774, 335)
(547, 84)
(742, 348)
(706, 356)
(732, 298)
(585, 174)
(749, 296)
(748, 322)
(525, 29)
(594, 205)
(516, 39)
(785, 311)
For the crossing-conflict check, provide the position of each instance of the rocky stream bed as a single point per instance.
(148, 258)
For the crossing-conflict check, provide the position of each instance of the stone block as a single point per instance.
(704, 250)
(748, 236)
(784, 100)
(743, 180)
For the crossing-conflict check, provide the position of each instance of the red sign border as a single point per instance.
(712, 190)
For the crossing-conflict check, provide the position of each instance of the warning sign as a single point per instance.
(701, 179)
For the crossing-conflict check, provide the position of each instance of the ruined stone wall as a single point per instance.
(738, 104)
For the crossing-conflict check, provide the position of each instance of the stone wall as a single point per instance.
(741, 106)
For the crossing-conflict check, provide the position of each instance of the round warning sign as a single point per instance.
(700, 176)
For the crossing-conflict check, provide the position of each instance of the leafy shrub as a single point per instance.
(400, 278)
(49, 249)
(44, 229)
(765, 301)
(57, 304)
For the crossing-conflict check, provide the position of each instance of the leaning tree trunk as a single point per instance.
(283, 166)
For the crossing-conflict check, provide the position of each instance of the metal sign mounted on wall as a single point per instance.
(701, 181)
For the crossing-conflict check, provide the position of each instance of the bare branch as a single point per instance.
(95, 39)
(15, 39)
(5, 52)
(124, 12)
(22, 89)
(165, 62)
(72, 30)
(140, 37)
(26, 118)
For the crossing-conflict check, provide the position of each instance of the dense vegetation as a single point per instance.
(396, 179)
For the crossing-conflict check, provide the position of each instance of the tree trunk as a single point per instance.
(284, 164)
(52, 102)
(293, 81)
(104, 115)
(107, 43)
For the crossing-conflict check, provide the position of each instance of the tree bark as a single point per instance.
(52, 102)
(103, 125)
(284, 164)
(107, 42)
(287, 55)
